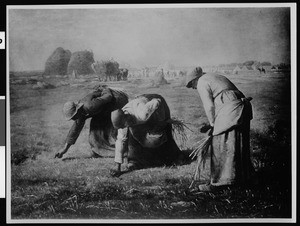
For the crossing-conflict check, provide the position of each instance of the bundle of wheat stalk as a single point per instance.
(179, 130)
(202, 152)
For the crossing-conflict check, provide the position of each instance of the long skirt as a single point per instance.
(103, 135)
(165, 154)
(230, 152)
(230, 157)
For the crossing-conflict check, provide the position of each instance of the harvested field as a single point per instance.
(79, 187)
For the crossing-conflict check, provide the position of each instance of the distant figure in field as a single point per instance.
(144, 134)
(229, 114)
(261, 70)
(123, 74)
(98, 106)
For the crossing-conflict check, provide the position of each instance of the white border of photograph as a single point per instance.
(292, 6)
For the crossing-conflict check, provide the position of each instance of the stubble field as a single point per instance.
(80, 187)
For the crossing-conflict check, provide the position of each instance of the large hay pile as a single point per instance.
(57, 63)
(80, 63)
(107, 70)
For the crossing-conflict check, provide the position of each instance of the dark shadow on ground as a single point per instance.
(86, 157)
(183, 159)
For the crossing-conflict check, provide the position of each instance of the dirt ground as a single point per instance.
(80, 187)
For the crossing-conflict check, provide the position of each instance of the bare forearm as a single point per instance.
(72, 137)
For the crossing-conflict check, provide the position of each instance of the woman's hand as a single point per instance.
(204, 127)
(117, 171)
(61, 152)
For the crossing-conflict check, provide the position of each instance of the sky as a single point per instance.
(150, 36)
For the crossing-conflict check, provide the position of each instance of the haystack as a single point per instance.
(80, 63)
(159, 78)
(57, 63)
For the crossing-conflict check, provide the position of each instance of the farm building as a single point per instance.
(210, 68)
(226, 69)
(266, 68)
(281, 67)
(276, 68)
